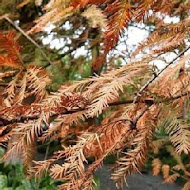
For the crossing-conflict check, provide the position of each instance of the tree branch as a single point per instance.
(28, 37)
(159, 73)
(149, 102)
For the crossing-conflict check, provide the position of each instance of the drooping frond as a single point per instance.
(95, 17)
(10, 51)
(133, 160)
(186, 186)
(9, 46)
(156, 164)
(10, 90)
(39, 167)
(120, 15)
(165, 171)
(96, 145)
(166, 38)
(33, 81)
(73, 167)
(179, 134)
(57, 10)
(7, 61)
(29, 151)
(172, 178)
(37, 79)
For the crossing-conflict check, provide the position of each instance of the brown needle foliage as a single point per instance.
(128, 120)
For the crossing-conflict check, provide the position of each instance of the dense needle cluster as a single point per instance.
(101, 113)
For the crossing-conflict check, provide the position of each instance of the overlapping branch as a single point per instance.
(148, 102)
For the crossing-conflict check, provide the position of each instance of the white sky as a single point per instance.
(135, 35)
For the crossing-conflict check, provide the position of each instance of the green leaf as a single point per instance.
(97, 181)
(3, 181)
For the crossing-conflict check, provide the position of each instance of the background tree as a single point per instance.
(118, 104)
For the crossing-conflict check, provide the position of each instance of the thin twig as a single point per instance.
(28, 37)
(150, 101)
(133, 124)
(158, 74)
(142, 113)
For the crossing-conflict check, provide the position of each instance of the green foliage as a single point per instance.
(12, 177)
(97, 181)
(65, 71)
